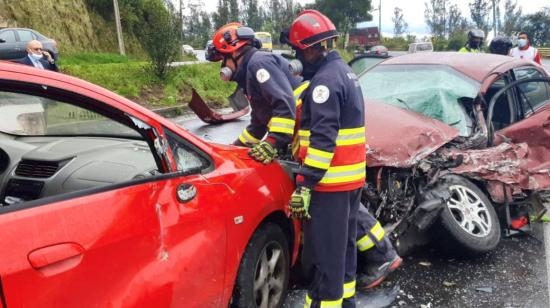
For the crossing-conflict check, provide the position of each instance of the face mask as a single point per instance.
(295, 67)
(226, 74)
(37, 57)
(522, 42)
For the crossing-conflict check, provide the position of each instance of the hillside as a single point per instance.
(73, 24)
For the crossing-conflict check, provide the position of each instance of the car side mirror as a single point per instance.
(2, 40)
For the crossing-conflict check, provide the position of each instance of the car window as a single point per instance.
(432, 90)
(24, 115)
(188, 159)
(531, 94)
(8, 36)
(358, 65)
(25, 35)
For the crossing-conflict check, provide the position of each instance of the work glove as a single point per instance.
(263, 152)
(299, 203)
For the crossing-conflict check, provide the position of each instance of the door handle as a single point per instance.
(56, 258)
(186, 192)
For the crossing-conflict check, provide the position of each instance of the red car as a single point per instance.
(105, 203)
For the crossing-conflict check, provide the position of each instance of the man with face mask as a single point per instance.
(268, 83)
(475, 40)
(38, 57)
(332, 152)
(524, 50)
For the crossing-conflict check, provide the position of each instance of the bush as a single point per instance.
(161, 38)
(457, 41)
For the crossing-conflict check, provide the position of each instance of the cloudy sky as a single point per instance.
(413, 11)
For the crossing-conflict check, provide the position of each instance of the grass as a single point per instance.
(132, 78)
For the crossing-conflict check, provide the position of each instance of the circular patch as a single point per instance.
(262, 75)
(320, 94)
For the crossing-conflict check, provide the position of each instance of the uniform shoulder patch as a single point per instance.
(262, 75)
(320, 94)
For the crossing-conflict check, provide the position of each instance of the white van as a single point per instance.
(421, 47)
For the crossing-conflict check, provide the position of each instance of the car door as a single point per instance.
(152, 242)
(8, 45)
(533, 128)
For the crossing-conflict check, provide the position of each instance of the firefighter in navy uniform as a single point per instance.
(332, 173)
(267, 82)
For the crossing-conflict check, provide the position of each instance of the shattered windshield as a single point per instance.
(432, 90)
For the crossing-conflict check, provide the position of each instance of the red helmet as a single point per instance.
(310, 28)
(231, 37)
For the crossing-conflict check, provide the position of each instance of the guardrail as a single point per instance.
(544, 52)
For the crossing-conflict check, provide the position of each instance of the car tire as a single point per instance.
(264, 272)
(469, 222)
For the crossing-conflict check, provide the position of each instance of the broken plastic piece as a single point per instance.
(210, 116)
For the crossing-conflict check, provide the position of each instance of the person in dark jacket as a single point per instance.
(38, 57)
(268, 84)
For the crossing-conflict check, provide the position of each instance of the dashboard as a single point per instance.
(37, 167)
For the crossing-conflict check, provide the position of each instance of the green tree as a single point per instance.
(456, 23)
(221, 16)
(234, 11)
(400, 26)
(435, 12)
(480, 11)
(512, 17)
(253, 15)
(345, 14)
(161, 38)
(536, 25)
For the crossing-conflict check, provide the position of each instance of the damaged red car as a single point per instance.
(105, 203)
(458, 147)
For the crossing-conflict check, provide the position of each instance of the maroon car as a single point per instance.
(453, 139)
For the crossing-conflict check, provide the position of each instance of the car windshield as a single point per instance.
(432, 90)
(23, 114)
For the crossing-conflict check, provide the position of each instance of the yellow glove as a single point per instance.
(299, 203)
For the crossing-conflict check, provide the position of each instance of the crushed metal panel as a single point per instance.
(210, 116)
(400, 138)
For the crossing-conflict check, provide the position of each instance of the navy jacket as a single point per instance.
(47, 65)
(269, 85)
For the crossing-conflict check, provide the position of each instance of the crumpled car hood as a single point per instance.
(401, 138)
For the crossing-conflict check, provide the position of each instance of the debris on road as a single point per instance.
(449, 284)
(485, 289)
(425, 263)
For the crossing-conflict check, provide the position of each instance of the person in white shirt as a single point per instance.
(524, 50)
(38, 57)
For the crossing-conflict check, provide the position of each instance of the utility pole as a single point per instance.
(494, 18)
(380, 19)
(119, 29)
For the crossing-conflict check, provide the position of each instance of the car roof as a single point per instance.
(474, 65)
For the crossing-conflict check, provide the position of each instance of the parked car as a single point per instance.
(13, 43)
(113, 200)
(421, 47)
(378, 50)
(454, 139)
(187, 50)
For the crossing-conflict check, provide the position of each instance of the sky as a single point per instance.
(413, 12)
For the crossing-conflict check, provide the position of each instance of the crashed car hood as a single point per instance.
(400, 138)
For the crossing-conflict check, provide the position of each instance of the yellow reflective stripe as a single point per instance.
(298, 91)
(246, 137)
(318, 158)
(324, 304)
(298, 102)
(304, 133)
(282, 125)
(349, 136)
(378, 231)
(351, 131)
(346, 173)
(349, 289)
(365, 243)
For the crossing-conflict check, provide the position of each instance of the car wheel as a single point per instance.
(263, 275)
(469, 220)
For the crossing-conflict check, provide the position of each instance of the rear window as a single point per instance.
(8, 36)
(25, 35)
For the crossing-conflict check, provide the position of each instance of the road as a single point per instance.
(514, 275)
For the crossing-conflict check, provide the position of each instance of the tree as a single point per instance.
(435, 16)
(253, 17)
(221, 16)
(536, 25)
(512, 17)
(345, 13)
(399, 24)
(233, 10)
(480, 12)
(161, 39)
(456, 23)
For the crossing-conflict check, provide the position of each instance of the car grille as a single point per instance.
(36, 169)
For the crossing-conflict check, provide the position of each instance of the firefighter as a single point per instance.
(332, 173)
(377, 255)
(267, 82)
(475, 41)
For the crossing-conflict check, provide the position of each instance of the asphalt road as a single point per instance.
(514, 275)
